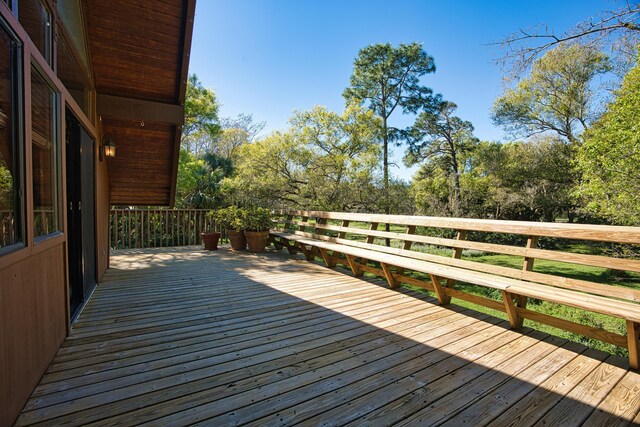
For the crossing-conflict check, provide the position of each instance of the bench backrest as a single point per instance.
(465, 239)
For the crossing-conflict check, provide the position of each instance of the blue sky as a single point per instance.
(271, 57)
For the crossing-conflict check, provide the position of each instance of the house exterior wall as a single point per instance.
(34, 295)
(33, 324)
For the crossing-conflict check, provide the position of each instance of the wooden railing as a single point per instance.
(442, 255)
(149, 228)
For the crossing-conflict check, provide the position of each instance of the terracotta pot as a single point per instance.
(210, 241)
(257, 240)
(237, 240)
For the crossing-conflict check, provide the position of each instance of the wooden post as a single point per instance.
(388, 274)
(457, 254)
(411, 229)
(521, 300)
(320, 221)
(129, 226)
(633, 344)
(372, 227)
(343, 234)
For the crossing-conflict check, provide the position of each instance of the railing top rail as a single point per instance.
(602, 233)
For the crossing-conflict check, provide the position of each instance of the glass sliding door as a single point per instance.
(80, 212)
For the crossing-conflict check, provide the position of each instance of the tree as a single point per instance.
(385, 78)
(199, 180)
(609, 157)
(439, 136)
(617, 31)
(320, 162)
(529, 181)
(557, 96)
(201, 122)
(236, 132)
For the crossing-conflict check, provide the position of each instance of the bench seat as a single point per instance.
(621, 309)
(334, 236)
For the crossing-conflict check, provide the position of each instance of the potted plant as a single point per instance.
(231, 219)
(209, 236)
(256, 224)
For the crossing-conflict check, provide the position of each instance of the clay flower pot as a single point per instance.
(237, 239)
(257, 240)
(210, 241)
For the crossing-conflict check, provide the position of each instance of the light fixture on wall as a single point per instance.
(108, 148)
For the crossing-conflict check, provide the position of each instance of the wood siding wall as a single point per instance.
(103, 205)
(33, 324)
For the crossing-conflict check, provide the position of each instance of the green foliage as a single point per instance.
(610, 155)
(558, 95)
(256, 219)
(6, 189)
(199, 180)
(440, 138)
(528, 181)
(385, 78)
(201, 122)
(230, 218)
(321, 162)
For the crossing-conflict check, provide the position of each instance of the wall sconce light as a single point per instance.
(108, 147)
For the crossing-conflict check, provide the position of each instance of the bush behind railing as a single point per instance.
(150, 228)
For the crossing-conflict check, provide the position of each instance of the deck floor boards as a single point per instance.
(179, 336)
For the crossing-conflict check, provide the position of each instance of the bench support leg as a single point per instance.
(305, 251)
(354, 266)
(521, 302)
(442, 296)
(314, 252)
(327, 258)
(276, 244)
(633, 343)
(514, 320)
(389, 275)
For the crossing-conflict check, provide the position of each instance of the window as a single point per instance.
(11, 159)
(35, 18)
(45, 155)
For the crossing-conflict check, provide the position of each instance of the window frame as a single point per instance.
(17, 104)
(58, 144)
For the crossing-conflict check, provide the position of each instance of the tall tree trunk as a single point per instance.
(456, 200)
(385, 163)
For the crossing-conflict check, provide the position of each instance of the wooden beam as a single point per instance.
(328, 259)
(305, 251)
(354, 266)
(443, 298)
(633, 344)
(139, 110)
(388, 274)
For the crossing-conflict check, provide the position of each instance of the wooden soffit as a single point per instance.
(140, 54)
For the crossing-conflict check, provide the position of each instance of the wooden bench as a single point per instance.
(354, 239)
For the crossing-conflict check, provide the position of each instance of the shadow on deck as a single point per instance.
(181, 336)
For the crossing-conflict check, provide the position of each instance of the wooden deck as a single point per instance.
(182, 337)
